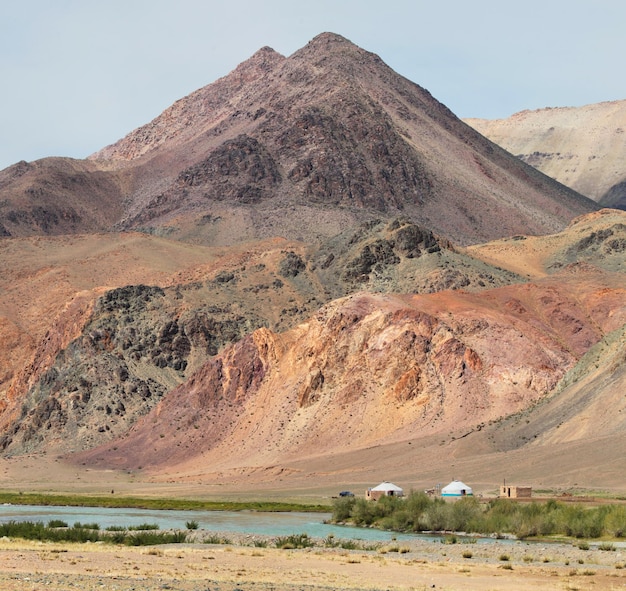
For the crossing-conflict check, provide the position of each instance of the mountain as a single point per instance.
(308, 271)
(302, 147)
(370, 374)
(372, 370)
(581, 147)
(110, 355)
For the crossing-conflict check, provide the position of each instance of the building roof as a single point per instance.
(455, 488)
(387, 486)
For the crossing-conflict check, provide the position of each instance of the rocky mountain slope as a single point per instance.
(111, 356)
(377, 371)
(373, 369)
(301, 147)
(334, 277)
(581, 147)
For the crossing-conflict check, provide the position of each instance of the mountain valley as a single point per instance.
(306, 276)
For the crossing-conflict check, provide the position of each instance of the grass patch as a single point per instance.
(215, 539)
(80, 533)
(113, 501)
(149, 538)
(144, 527)
(29, 530)
(79, 525)
(294, 541)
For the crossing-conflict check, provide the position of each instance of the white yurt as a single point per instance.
(384, 489)
(456, 489)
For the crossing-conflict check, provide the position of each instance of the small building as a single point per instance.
(384, 489)
(456, 489)
(516, 492)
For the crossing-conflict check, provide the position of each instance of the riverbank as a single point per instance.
(247, 567)
(159, 504)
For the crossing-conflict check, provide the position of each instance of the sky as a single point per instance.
(77, 75)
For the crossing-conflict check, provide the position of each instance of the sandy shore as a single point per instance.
(395, 566)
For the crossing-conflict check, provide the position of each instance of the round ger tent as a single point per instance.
(384, 489)
(456, 489)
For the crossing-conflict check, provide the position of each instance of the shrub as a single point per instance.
(294, 541)
(437, 516)
(215, 539)
(144, 527)
(615, 521)
(151, 538)
(362, 512)
(342, 509)
(79, 525)
(192, 524)
(57, 523)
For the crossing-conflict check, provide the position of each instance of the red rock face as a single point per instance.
(375, 368)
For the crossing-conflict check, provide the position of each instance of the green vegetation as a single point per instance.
(139, 503)
(215, 539)
(294, 541)
(79, 525)
(144, 527)
(29, 530)
(332, 542)
(38, 531)
(418, 512)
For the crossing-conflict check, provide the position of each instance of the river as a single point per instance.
(250, 522)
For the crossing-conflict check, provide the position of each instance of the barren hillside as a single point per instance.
(309, 272)
(135, 316)
(581, 147)
(302, 147)
(372, 371)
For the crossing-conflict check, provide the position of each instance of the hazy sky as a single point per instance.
(80, 74)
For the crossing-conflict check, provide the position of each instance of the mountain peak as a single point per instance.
(327, 39)
(260, 63)
(329, 126)
(325, 45)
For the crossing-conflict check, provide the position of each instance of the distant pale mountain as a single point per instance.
(302, 147)
(581, 147)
